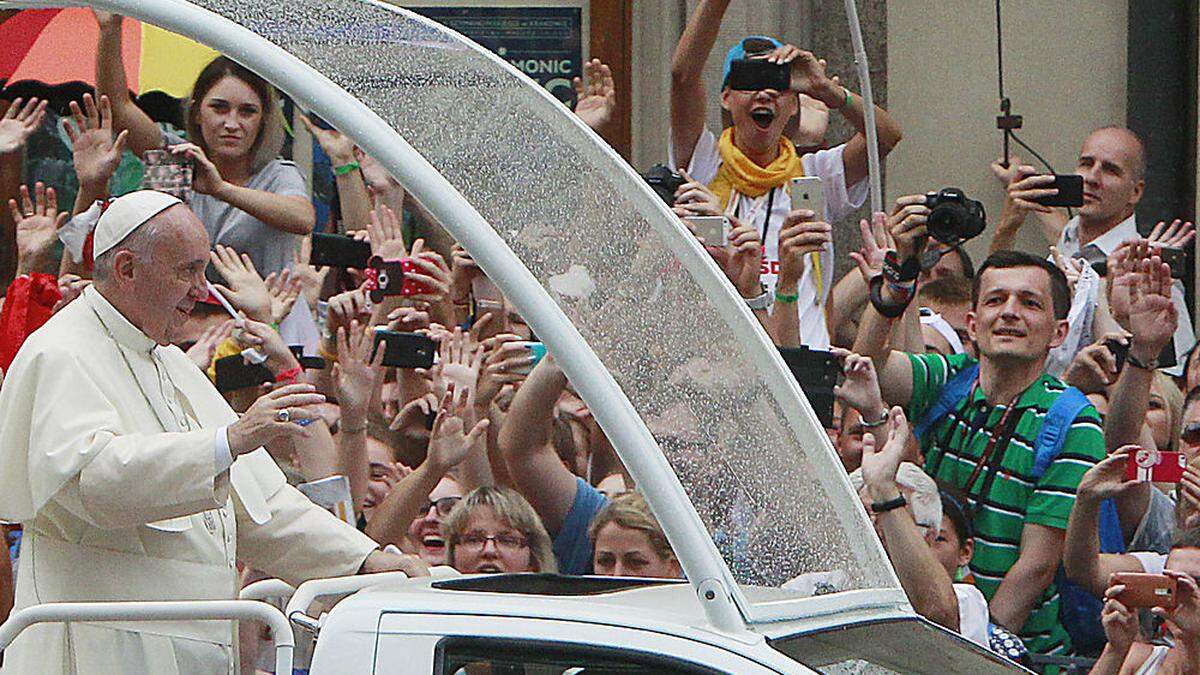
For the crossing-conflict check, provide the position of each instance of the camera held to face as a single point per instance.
(953, 217)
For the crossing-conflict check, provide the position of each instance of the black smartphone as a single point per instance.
(1176, 258)
(758, 74)
(405, 350)
(1118, 350)
(817, 372)
(338, 250)
(234, 373)
(1070, 191)
(307, 362)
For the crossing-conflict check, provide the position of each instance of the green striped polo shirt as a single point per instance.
(953, 447)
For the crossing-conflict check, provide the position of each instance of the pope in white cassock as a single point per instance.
(134, 479)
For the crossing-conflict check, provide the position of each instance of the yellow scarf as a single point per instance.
(739, 173)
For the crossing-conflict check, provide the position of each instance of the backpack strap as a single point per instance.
(1055, 427)
(953, 392)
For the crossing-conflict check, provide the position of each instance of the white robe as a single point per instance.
(113, 475)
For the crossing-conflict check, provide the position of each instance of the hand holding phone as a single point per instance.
(759, 74)
(404, 350)
(338, 250)
(710, 230)
(1145, 590)
(537, 350)
(806, 193)
(1070, 191)
(1156, 466)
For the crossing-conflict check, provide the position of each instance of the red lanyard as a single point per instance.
(990, 448)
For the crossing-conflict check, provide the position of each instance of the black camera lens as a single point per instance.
(953, 218)
(664, 181)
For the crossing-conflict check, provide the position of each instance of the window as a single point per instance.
(540, 657)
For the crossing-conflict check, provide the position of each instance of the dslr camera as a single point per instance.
(664, 181)
(953, 217)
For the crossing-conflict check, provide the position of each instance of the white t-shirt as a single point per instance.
(840, 202)
(972, 614)
(1152, 563)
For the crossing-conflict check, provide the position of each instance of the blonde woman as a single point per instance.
(494, 530)
(629, 542)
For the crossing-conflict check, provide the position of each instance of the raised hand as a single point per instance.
(808, 75)
(1095, 366)
(693, 198)
(877, 241)
(1176, 235)
(595, 95)
(741, 258)
(1072, 268)
(1107, 477)
(345, 308)
(1186, 615)
(1006, 174)
(284, 289)
(879, 467)
(96, 153)
(356, 374)
(311, 279)
(1152, 315)
(37, 221)
(339, 148)
(267, 340)
(201, 352)
(1028, 184)
(460, 364)
(70, 286)
(800, 235)
(247, 290)
(860, 390)
(19, 123)
(206, 179)
(387, 237)
(907, 224)
(450, 441)
(506, 363)
(1120, 624)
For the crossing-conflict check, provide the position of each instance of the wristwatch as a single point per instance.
(761, 301)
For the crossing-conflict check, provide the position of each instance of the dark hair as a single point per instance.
(1186, 539)
(954, 507)
(1060, 291)
(1192, 395)
(950, 290)
(214, 72)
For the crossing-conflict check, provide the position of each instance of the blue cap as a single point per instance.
(757, 44)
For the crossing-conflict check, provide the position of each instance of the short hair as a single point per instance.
(1139, 155)
(954, 507)
(946, 290)
(1186, 539)
(926, 501)
(1060, 290)
(510, 507)
(630, 511)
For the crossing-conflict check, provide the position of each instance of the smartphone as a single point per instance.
(233, 373)
(759, 74)
(1119, 351)
(1070, 191)
(1145, 590)
(1155, 466)
(806, 194)
(817, 372)
(537, 349)
(405, 350)
(1176, 258)
(710, 230)
(338, 250)
(307, 362)
(410, 286)
(488, 298)
(167, 172)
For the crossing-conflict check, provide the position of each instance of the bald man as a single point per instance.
(133, 478)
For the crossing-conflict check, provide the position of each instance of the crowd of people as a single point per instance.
(987, 414)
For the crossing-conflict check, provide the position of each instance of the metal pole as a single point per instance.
(874, 169)
(244, 610)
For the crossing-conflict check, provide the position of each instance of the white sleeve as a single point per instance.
(972, 614)
(706, 158)
(840, 200)
(1152, 563)
(224, 456)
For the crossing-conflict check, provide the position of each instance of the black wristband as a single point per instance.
(891, 505)
(877, 301)
(900, 272)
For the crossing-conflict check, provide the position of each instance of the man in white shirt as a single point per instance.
(759, 123)
(133, 478)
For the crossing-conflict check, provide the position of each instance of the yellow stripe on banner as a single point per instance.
(818, 278)
(170, 62)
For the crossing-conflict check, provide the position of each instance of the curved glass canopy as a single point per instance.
(643, 299)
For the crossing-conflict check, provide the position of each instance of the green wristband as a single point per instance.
(345, 169)
(845, 99)
(787, 297)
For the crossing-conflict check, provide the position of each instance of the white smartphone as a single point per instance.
(710, 230)
(806, 194)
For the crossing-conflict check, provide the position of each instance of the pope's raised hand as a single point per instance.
(276, 413)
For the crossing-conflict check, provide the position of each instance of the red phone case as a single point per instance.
(1154, 466)
(411, 286)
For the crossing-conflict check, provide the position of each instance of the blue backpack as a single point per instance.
(1078, 610)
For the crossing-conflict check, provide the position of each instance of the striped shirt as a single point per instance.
(952, 449)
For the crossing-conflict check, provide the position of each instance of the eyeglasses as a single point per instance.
(444, 505)
(504, 542)
(1191, 433)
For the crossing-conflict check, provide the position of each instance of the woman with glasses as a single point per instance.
(494, 530)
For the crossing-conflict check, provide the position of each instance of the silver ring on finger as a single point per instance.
(284, 415)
